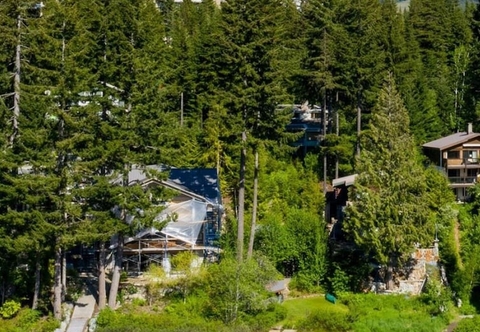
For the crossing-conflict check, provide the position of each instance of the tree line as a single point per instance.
(89, 88)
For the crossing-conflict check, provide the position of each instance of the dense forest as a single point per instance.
(90, 88)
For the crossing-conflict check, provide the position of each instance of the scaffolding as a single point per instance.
(192, 226)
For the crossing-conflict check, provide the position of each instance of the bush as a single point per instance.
(318, 321)
(10, 308)
(436, 297)
(139, 302)
(339, 281)
(370, 312)
(28, 320)
(266, 319)
(469, 325)
(303, 282)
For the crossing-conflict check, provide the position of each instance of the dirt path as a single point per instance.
(453, 325)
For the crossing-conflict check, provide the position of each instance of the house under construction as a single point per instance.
(192, 221)
(193, 215)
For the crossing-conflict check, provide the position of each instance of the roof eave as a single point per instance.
(450, 145)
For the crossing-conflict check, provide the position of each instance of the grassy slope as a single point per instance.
(299, 309)
(366, 313)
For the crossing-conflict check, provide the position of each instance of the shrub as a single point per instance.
(139, 302)
(339, 281)
(469, 325)
(28, 320)
(303, 282)
(318, 321)
(9, 309)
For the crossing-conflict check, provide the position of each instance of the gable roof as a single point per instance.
(451, 140)
(200, 183)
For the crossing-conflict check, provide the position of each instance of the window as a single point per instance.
(453, 154)
(453, 173)
(472, 172)
(470, 154)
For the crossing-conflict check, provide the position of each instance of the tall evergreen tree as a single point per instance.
(361, 56)
(439, 28)
(388, 214)
(320, 63)
(255, 62)
(472, 109)
(31, 167)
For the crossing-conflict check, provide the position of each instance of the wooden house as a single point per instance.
(458, 156)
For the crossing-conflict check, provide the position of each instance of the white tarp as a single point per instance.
(186, 220)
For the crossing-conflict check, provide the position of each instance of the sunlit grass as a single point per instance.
(300, 308)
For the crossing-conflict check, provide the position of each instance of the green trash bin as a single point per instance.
(330, 298)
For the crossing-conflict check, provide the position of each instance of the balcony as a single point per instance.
(462, 181)
(462, 163)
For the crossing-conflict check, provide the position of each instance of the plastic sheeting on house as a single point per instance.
(186, 220)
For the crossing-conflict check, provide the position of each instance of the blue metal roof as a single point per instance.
(201, 181)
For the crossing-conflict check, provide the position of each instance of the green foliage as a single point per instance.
(232, 66)
(180, 317)
(182, 262)
(370, 312)
(155, 271)
(465, 277)
(332, 322)
(388, 214)
(299, 310)
(10, 308)
(242, 290)
(290, 232)
(348, 270)
(28, 320)
(469, 325)
(437, 297)
(339, 280)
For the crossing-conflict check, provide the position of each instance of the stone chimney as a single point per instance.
(469, 128)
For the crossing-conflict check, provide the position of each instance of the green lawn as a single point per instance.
(362, 313)
(300, 308)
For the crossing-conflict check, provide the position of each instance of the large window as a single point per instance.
(470, 155)
(453, 154)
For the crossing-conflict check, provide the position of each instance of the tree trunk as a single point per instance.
(36, 291)
(16, 83)
(57, 290)
(102, 292)
(241, 199)
(324, 136)
(117, 270)
(181, 109)
(254, 208)
(337, 131)
(359, 126)
(389, 277)
(64, 275)
(2, 292)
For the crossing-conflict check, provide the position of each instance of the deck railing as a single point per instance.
(462, 179)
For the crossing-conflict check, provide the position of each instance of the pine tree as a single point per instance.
(320, 63)
(471, 98)
(388, 214)
(253, 65)
(419, 97)
(361, 57)
(440, 28)
(31, 166)
(114, 121)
